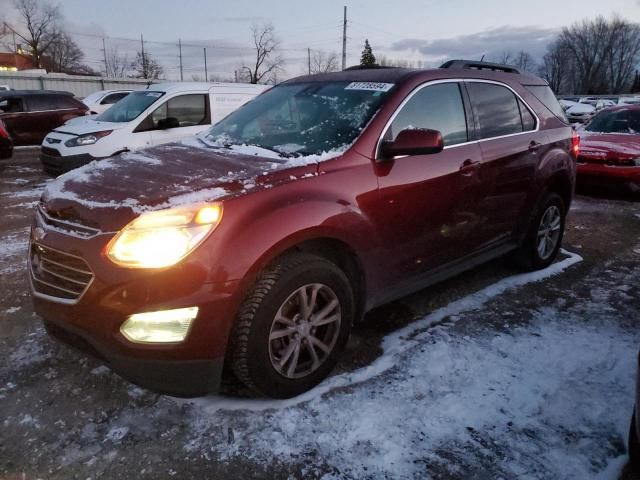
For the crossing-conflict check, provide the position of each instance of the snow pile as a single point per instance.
(536, 401)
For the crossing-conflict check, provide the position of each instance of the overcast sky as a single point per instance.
(427, 30)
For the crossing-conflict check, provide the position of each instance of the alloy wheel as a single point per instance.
(304, 330)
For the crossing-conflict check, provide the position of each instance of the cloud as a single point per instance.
(491, 43)
(242, 19)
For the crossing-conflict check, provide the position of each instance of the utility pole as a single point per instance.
(309, 59)
(106, 64)
(206, 74)
(180, 48)
(344, 39)
(144, 63)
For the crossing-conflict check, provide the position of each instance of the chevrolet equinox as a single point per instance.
(258, 243)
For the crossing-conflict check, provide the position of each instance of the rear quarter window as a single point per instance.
(548, 99)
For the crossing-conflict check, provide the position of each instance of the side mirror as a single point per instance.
(413, 142)
(169, 122)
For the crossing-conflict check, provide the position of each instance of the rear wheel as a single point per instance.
(544, 236)
(292, 326)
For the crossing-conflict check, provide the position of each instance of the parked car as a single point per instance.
(99, 102)
(580, 112)
(30, 114)
(258, 243)
(160, 114)
(6, 142)
(610, 149)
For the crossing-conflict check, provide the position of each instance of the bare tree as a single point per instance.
(524, 61)
(117, 64)
(556, 67)
(323, 62)
(506, 58)
(268, 61)
(65, 55)
(144, 66)
(623, 57)
(602, 54)
(39, 22)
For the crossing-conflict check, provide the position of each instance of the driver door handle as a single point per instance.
(469, 167)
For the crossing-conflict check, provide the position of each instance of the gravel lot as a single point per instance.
(492, 374)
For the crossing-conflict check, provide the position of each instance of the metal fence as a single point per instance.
(80, 86)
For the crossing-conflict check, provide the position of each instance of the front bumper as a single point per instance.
(92, 321)
(54, 164)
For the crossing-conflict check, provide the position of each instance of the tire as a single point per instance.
(273, 329)
(633, 447)
(529, 256)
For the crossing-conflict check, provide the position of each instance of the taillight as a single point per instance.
(575, 144)
(3, 131)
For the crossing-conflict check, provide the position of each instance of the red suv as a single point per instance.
(259, 243)
(30, 114)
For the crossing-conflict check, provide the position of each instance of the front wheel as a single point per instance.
(544, 237)
(292, 326)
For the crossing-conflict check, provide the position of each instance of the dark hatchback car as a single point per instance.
(256, 245)
(6, 142)
(30, 114)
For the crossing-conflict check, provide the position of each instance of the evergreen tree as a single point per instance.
(368, 59)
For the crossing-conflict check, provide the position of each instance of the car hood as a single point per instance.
(87, 124)
(609, 145)
(107, 194)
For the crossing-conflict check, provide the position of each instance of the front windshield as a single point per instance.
(616, 121)
(302, 118)
(130, 107)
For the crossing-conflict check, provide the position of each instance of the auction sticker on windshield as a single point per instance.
(371, 86)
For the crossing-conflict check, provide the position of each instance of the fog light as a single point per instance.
(165, 326)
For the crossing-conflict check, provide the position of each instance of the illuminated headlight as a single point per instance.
(165, 326)
(162, 238)
(88, 139)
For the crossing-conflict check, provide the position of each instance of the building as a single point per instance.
(12, 62)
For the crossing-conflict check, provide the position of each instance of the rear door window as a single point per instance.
(436, 107)
(42, 103)
(496, 108)
(528, 119)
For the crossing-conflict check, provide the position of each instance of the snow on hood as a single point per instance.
(603, 145)
(87, 124)
(111, 192)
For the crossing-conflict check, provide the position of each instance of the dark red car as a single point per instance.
(256, 245)
(610, 147)
(6, 143)
(30, 114)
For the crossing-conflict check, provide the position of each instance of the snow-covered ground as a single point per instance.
(493, 374)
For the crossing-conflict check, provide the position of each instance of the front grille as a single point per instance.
(50, 151)
(58, 275)
(65, 222)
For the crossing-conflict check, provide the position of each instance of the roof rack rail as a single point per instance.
(476, 65)
(360, 67)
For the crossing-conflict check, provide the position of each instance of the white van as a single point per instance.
(161, 113)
